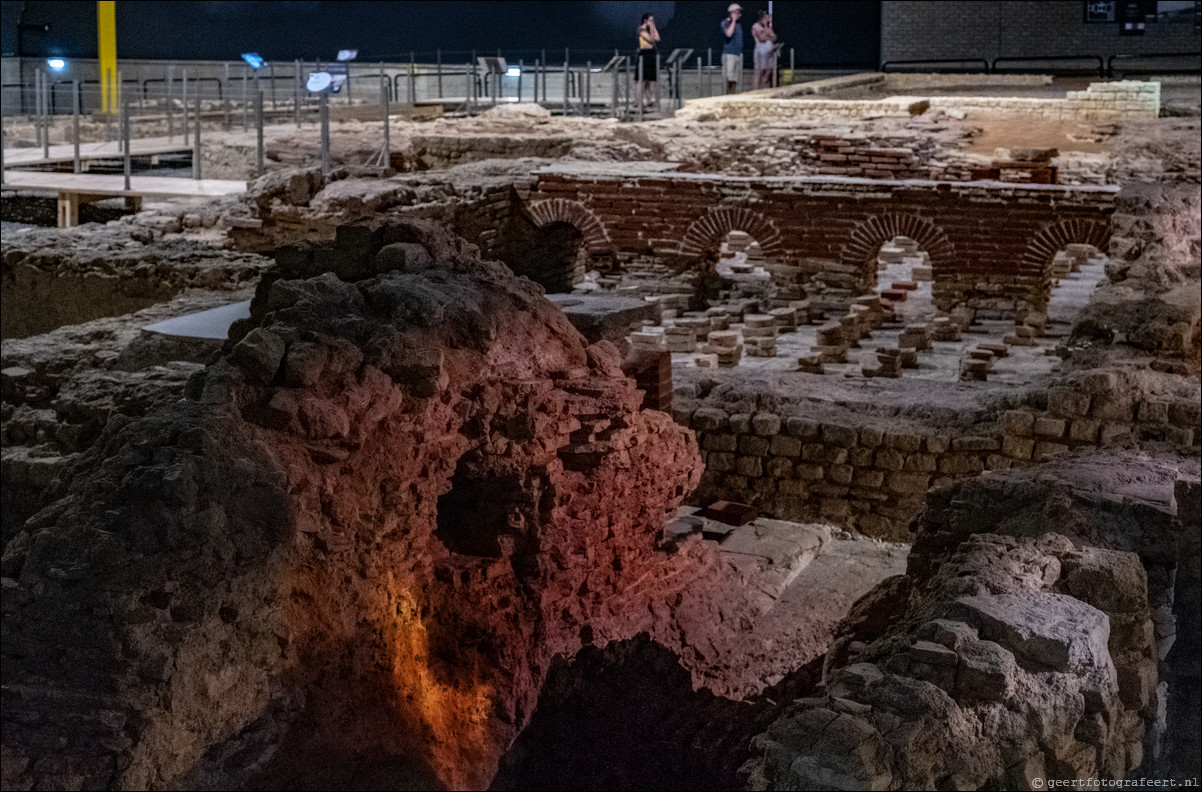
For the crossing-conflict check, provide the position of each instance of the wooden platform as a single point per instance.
(76, 189)
(65, 152)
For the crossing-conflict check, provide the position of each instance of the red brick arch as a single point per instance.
(575, 214)
(717, 223)
(1053, 237)
(864, 243)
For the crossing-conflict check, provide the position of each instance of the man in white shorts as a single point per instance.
(732, 47)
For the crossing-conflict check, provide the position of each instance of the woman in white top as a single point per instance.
(765, 40)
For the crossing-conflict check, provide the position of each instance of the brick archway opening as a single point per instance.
(707, 233)
(863, 246)
(1040, 256)
(566, 240)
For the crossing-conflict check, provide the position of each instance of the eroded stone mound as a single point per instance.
(1009, 652)
(364, 535)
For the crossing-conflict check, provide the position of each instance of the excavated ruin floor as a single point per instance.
(635, 713)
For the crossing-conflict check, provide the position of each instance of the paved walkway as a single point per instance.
(65, 152)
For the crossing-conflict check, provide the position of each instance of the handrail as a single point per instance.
(1153, 56)
(1042, 58)
(54, 86)
(148, 80)
(984, 63)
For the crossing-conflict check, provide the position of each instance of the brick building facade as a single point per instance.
(915, 29)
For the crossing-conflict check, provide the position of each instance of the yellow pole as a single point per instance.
(106, 30)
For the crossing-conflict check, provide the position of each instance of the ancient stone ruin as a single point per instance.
(839, 436)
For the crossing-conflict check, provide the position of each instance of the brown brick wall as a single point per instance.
(990, 245)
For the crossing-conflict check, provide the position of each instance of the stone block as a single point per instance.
(937, 444)
(1110, 432)
(779, 467)
(908, 442)
(710, 419)
(1067, 402)
(801, 428)
(785, 446)
(740, 423)
(1154, 411)
(749, 466)
(1017, 447)
(923, 463)
(907, 483)
(1084, 430)
(860, 456)
(765, 424)
(720, 441)
(889, 459)
(1046, 426)
(808, 471)
(842, 436)
(720, 462)
(961, 464)
(871, 437)
(753, 445)
(975, 443)
(839, 474)
(868, 478)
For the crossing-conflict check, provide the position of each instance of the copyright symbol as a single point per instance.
(1037, 783)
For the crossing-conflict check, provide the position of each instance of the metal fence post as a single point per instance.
(588, 88)
(412, 83)
(386, 159)
(296, 99)
(196, 157)
(37, 107)
(709, 72)
(184, 102)
(78, 165)
(325, 132)
(170, 109)
(565, 84)
(642, 86)
(125, 135)
(438, 69)
(47, 121)
(259, 132)
(521, 68)
(271, 76)
(245, 101)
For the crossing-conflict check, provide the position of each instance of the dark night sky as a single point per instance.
(822, 32)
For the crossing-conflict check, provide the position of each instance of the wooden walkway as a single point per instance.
(29, 156)
(75, 189)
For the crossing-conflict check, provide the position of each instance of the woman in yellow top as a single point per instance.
(648, 38)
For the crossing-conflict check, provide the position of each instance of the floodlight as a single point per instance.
(56, 64)
(253, 59)
(513, 71)
(347, 55)
(318, 81)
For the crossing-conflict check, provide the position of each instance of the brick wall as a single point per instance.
(990, 244)
(914, 29)
(862, 477)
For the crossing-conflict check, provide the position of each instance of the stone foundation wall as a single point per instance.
(870, 479)
(1113, 101)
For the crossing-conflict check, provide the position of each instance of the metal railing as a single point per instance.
(1195, 68)
(939, 63)
(1101, 67)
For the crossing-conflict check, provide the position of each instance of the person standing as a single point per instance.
(765, 43)
(732, 47)
(648, 38)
